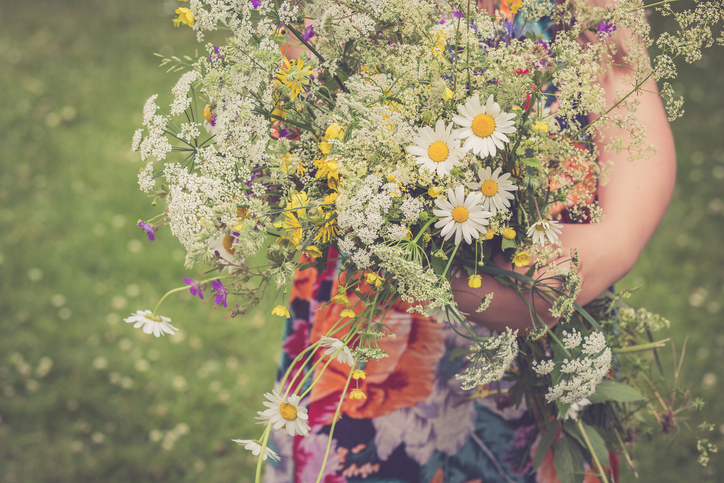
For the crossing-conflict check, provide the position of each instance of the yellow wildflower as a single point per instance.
(357, 394)
(489, 234)
(475, 281)
(433, 192)
(540, 126)
(513, 5)
(341, 299)
(292, 226)
(440, 40)
(447, 95)
(184, 16)
(324, 147)
(298, 201)
(508, 233)
(281, 311)
(314, 252)
(521, 259)
(333, 131)
(329, 229)
(373, 279)
(359, 374)
(294, 75)
(517, 108)
(208, 113)
(347, 313)
(331, 198)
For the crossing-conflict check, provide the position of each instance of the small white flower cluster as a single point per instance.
(489, 359)
(640, 320)
(581, 374)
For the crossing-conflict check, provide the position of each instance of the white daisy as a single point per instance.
(255, 448)
(496, 189)
(283, 414)
(156, 325)
(541, 230)
(223, 247)
(437, 151)
(483, 127)
(344, 356)
(462, 216)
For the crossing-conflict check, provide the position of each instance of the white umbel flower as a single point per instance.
(255, 448)
(334, 345)
(484, 127)
(541, 230)
(437, 151)
(496, 189)
(461, 216)
(287, 415)
(575, 408)
(156, 325)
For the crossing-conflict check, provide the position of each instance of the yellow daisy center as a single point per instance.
(227, 242)
(540, 227)
(483, 125)
(288, 411)
(438, 151)
(460, 214)
(489, 187)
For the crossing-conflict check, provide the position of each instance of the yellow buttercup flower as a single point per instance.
(447, 95)
(281, 311)
(508, 233)
(184, 16)
(475, 281)
(357, 394)
(333, 131)
(341, 299)
(373, 279)
(324, 147)
(314, 252)
(359, 374)
(513, 5)
(521, 259)
(489, 234)
(541, 127)
(433, 192)
(347, 313)
(331, 198)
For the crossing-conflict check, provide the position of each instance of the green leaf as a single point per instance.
(568, 461)
(615, 391)
(532, 162)
(508, 244)
(546, 440)
(597, 442)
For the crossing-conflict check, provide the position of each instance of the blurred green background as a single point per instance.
(85, 397)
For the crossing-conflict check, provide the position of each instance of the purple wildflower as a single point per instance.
(222, 292)
(255, 3)
(309, 33)
(606, 29)
(457, 14)
(195, 287)
(215, 58)
(148, 228)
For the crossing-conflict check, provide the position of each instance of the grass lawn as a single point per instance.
(84, 397)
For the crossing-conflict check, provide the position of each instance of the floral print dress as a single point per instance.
(416, 423)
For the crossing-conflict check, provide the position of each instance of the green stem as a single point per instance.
(625, 453)
(593, 453)
(640, 347)
(452, 257)
(334, 423)
(264, 441)
(178, 289)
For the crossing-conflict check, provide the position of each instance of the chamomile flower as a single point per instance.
(223, 246)
(437, 151)
(255, 448)
(496, 189)
(152, 324)
(462, 216)
(334, 345)
(541, 230)
(484, 127)
(285, 414)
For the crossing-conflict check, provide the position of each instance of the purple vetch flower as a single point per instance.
(195, 287)
(255, 3)
(148, 228)
(457, 14)
(222, 292)
(309, 33)
(215, 57)
(606, 29)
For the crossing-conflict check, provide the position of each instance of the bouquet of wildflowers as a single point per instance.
(414, 142)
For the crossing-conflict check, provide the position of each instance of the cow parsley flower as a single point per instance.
(437, 151)
(334, 345)
(496, 188)
(461, 216)
(151, 324)
(489, 359)
(255, 448)
(542, 230)
(484, 127)
(285, 414)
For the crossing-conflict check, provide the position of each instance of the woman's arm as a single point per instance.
(634, 202)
